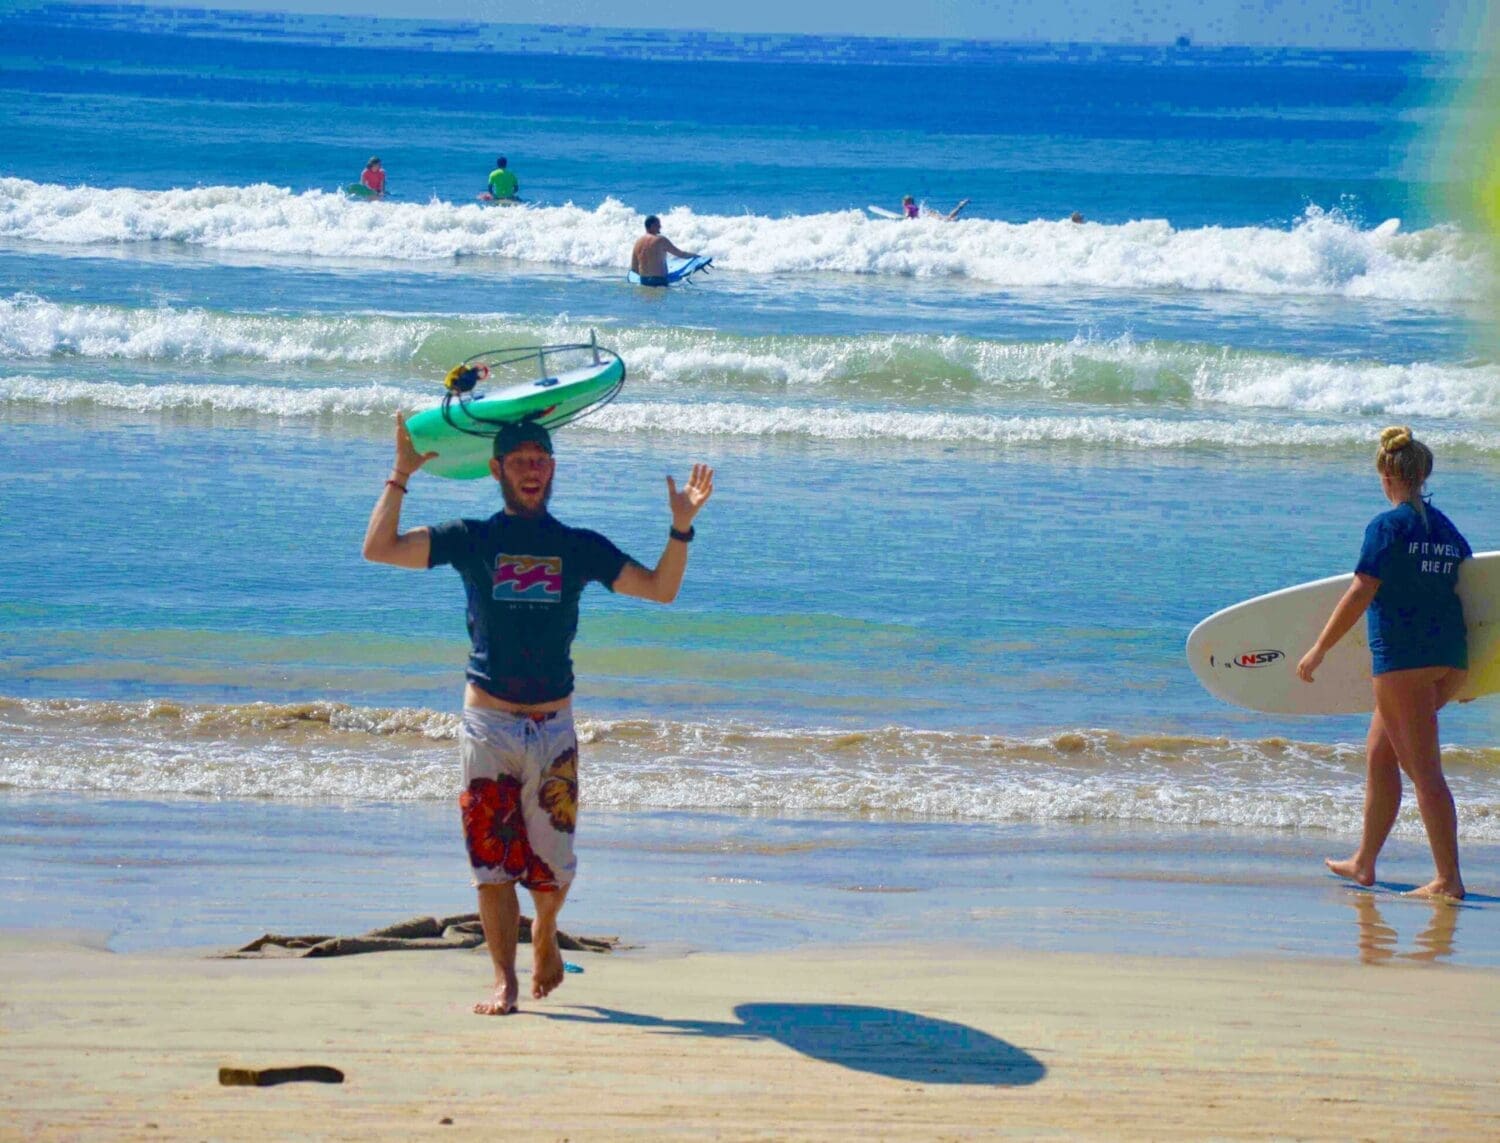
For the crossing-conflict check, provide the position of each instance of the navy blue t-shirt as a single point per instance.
(524, 577)
(1416, 618)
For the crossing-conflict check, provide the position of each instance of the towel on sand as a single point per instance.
(460, 932)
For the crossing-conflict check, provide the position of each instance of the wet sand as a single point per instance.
(846, 1042)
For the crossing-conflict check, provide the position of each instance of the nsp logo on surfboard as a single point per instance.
(1251, 659)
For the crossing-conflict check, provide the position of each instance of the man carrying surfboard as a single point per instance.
(524, 573)
(648, 258)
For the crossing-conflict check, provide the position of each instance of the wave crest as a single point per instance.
(1325, 253)
(390, 356)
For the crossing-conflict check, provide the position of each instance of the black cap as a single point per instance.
(513, 436)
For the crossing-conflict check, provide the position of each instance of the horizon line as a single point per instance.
(1177, 43)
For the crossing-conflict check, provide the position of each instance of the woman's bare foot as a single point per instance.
(1352, 870)
(548, 971)
(503, 1002)
(1438, 887)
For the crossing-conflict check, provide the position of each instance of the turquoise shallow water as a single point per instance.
(976, 480)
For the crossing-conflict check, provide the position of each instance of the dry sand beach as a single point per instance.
(905, 1042)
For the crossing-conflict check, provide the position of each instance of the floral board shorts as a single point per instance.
(520, 798)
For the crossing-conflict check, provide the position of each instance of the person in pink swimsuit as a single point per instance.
(373, 177)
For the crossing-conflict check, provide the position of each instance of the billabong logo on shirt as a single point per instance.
(528, 579)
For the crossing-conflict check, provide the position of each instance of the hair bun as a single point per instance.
(1395, 438)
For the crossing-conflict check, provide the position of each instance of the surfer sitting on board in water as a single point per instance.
(504, 186)
(649, 256)
(1406, 578)
(372, 178)
(524, 573)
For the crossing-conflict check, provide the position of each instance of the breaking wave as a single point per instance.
(325, 749)
(362, 364)
(1324, 253)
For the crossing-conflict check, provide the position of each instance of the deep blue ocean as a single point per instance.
(976, 479)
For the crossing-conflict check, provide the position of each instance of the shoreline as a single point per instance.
(144, 875)
(905, 1041)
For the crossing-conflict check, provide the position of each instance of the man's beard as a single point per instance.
(513, 503)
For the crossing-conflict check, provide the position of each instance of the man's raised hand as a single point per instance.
(408, 459)
(693, 496)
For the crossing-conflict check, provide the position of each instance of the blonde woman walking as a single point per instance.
(1406, 579)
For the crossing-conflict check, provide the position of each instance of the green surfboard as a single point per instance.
(461, 432)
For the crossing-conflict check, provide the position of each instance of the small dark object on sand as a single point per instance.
(268, 1077)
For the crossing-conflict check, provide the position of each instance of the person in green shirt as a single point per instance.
(503, 184)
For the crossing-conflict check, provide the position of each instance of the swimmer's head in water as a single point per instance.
(1076, 216)
(653, 224)
(907, 200)
(500, 162)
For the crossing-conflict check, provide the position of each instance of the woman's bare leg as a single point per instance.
(1382, 803)
(1407, 702)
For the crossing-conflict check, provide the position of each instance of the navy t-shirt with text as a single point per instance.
(1416, 618)
(523, 577)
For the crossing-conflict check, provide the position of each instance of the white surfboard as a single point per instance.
(1247, 654)
(881, 212)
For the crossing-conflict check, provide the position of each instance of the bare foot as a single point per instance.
(548, 971)
(1438, 887)
(503, 1002)
(1352, 870)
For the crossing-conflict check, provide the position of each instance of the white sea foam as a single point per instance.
(1323, 254)
(367, 400)
(328, 750)
(743, 420)
(31, 326)
(735, 419)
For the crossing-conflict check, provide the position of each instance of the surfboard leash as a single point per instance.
(460, 382)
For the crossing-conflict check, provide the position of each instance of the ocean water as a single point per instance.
(976, 480)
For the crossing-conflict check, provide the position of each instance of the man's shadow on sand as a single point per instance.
(881, 1041)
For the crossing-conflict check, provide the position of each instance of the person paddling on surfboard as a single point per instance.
(910, 209)
(523, 573)
(648, 259)
(504, 186)
(373, 177)
(1407, 578)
